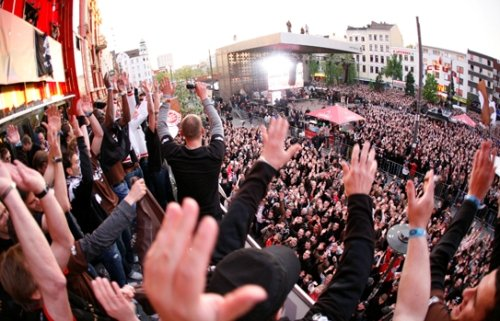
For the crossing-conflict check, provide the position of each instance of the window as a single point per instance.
(371, 47)
(357, 58)
(370, 37)
(376, 58)
(412, 58)
(424, 50)
(375, 48)
(436, 74)
(406, 68)
(363, 48)
(435, 52)
(374, 37)
(356, 38)
(489, 84)
(371, 58)
(362, 39)
(376, 70)
(480, 70)
(350, 39)
(364, 58)
(411, 69)
(381, 48)
(488, 63)
(386, 48)
(364, 68)
(386, 37)
(382, 59)
(400, 57)
(472, 67)
(406, 57)
(371, 69)
(381, 38)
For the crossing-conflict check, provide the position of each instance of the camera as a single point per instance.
(190, 85)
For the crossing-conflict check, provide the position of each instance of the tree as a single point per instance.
(379, 84)
(410, 84)
(394, 68)
(450, 93)
(313, 66)
(188, 72)
(352, 75)
(189, 102)
(430, 89)
(333, 71)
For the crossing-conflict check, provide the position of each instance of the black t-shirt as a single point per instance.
(196, 172)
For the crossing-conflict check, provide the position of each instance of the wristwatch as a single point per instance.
(43, 192)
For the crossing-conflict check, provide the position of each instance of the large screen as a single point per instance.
(283, 73)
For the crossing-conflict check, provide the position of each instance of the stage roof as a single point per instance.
(292, 42)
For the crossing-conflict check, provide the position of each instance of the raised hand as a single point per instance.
(137, 192)
(201, 90)
(273, 150)
(420, 209)
(167, 88)
(26, 178)
(360, 174)
(483, 170)
(76, 128)
(108, 82)
(13, 134)
(113, 301)
(145, 87)
(54, 118)
(175, 271)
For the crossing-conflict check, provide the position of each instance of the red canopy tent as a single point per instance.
(463, 118)
(336, 114)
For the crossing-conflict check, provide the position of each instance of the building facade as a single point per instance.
(376, 41)
(445, 64)
(480, 67)
(136, 64)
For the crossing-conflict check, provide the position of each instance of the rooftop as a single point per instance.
(373, 26)
(292, 42)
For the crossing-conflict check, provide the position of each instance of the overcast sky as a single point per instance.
(189, 29)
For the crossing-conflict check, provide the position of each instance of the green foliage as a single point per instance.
(313, 66)
(394, 68)
(188, 72)
(190, 103)
(161, 75)
(379, 83)
(430, 89)
(410, 84)
(352, 74)
(338, 69)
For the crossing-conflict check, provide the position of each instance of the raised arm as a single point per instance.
(53, 128)
(168, 91)
(216, 127)
(234, 227)
(98, 134)
(151, 107)
(176, 292)
(109, 117)
(415, 284)
(40, 260)
(480, 181)
(343, 293)
(30, 180)
(123, 86)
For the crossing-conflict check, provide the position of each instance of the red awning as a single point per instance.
(463, 118)
(336, 114)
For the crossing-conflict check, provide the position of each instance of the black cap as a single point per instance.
(274, 268)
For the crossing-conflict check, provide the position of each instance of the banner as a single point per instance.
(43, 57)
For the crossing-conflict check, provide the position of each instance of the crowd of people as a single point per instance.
(89, 188)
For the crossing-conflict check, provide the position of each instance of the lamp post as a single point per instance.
(419, 95)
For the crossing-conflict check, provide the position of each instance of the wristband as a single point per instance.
(7, 191)
(417, 232)
(88, 113)
(473, 199)
(43, 193)
(57, 159)
(81, 121)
